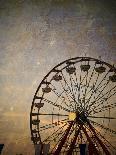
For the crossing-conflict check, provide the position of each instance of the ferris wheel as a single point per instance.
(75, 104)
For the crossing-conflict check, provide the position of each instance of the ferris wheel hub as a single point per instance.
(82, 117)
(78, 117)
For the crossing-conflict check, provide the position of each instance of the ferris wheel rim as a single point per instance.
(71, 59)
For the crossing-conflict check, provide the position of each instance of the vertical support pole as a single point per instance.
(46, 148)
(1, 147)
(82, 149)
(73, 142)
(100, 142)
(93, 148)
(38, 149)
(57, 151)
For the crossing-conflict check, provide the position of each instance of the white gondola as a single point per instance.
(100, 69)
(70, 70)
(47, 89)
(85, 67)
(57, 77)
(112, 78)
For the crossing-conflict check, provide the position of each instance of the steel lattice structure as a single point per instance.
(75, 104)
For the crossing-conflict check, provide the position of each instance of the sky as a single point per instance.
(36, 35)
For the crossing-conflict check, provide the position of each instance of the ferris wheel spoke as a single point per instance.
(66, 103)
(92, 89)
(105, 142)
(105, 138)
(83, 78)
(86, 87)
(79, 90)
(66, 83)
(88, 84)
(56, 93)
(104, 108)
(99, 82)
(75, 75)
(55, 132)
(52, 125)
(50, 114)
(56, 105)
(100, 92)
(90, 141)
(72, 86)
(73, 93)
(102, 117)
(61, 141)
(103, 127)
(103, 79)
(60, 96)
(67, 95)
(96, 105)
(56, 136)
(104, 85)
(91, 76)
(46, 127)
(69, 90)
(103, 100)
(76, 82)
(76, 79)
(98, 98)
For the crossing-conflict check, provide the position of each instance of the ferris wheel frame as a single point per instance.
(69, 62)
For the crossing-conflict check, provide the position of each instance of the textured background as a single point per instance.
(35, 35)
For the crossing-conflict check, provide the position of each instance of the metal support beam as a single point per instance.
(58, 150)
(92, 146)
(99, 140)
(72, 145)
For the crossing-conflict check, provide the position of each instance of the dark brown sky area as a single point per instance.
(35, 35)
